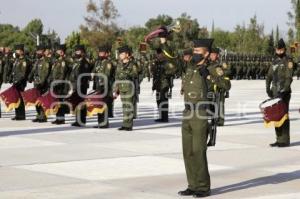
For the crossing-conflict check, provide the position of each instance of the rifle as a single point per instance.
(212, 131)
(137, 88)
(171, 83)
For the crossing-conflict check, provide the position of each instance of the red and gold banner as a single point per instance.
(74, 100)
(11, 97)
(49, 103)
(30, 96)
(95, 104)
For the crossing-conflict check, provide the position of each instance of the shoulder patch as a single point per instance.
(109, 66)
(63, 64)
(171, 65)
(290, 65)
(24, 64)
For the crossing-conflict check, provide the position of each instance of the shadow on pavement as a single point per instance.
(268, 180)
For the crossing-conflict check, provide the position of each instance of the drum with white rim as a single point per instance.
(275, 111)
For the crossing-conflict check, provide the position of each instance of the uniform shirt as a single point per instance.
(80, 67)
(103, 68)
(125, 74)
(19, 71)
(60, 70)
(194, 85)
(162, 72)
(40, 72)
(280, 75)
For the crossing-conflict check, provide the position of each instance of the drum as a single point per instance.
(275, 112)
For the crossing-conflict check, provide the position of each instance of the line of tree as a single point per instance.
(100, 27)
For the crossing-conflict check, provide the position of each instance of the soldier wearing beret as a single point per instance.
(80, 68)
(195, 121)
(39, 76)
(20, 71)
(278, 84)
(126, 72)
(220, 83)
(59, 73)
(104, 67)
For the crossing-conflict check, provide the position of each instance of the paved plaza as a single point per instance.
(45, 161)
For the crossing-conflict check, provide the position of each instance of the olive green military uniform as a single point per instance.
(145, 63)
(39, 76)
(78, 67)
(162, 73)
(8, 63)
(19, 79)
(59, 72)
(194, 129)
(219, 85)
(125, 75)
(280, 77)
(137, 84)
(104, 67)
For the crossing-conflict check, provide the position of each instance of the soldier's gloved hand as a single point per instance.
(270, 93)
(282, 95)
(204, 72)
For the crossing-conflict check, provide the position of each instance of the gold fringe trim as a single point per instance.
(95, 111)
(13, 106)
(276, 124)
(51, 111)
(10, 106)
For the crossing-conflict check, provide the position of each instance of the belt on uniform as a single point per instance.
(190, 107)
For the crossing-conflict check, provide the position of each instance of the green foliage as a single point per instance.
(11, 35)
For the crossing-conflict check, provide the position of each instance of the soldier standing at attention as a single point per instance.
(39, 77)
(280, 75)
(20, 72)
(126, 72)
(80, 68)
(163, 72)
(195, 122)
(104, 67)
(221, 83)
(59, 72)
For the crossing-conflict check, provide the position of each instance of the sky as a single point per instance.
(65, 16)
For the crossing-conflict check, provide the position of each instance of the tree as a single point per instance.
(160, 20)
(277, 36)
(212, 29)
(100, 27)
(270, 48)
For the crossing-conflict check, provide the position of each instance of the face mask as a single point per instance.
(39, 56)
(280, 55)
(197, 58)
(77, 56)
(102, 57)
(17, 55)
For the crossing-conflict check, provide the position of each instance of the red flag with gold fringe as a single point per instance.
(74, 100)
(30, 96)
(49, 103)
(95, 104)
(11, 97)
